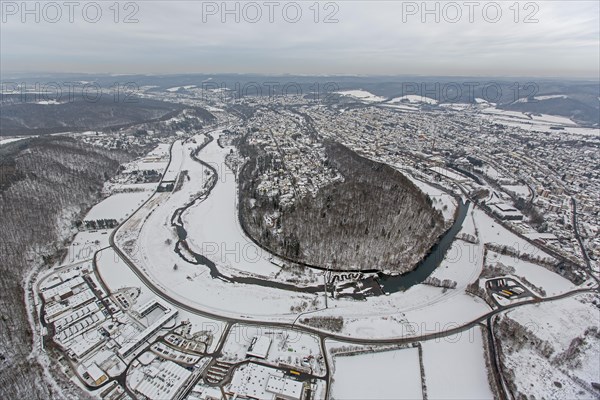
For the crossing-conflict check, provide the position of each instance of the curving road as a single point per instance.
(166, 296)
(322, 335)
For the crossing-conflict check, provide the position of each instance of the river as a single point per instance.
(390, 283)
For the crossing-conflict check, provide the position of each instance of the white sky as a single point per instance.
(370, 37)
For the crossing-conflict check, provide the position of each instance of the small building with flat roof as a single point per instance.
(259, 347)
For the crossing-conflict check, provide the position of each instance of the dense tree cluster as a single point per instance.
(437, 282)
(331, 324)
(375, 219)
(48, 183)
(97, 224)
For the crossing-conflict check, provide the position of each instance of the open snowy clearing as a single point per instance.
(561, 348)
(177, 158)
(491, 231)
(457, 106)
(118, 206)
(156, 159)
(362, 95)
(468, 226)
(455, 367)
(14, 139)
(85, 244)
(448, 173)
(541, 123)
(421, 310)
(520, 190)
(386, 375)
(413, 98)
(539, 276)
(542, 119)
(463, 264)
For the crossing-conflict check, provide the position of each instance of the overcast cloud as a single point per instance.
(370, 37)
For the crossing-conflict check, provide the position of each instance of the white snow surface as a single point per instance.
(413, 98)
(118, 206)
(14, 139)
(362, 95)
(213, 229)
(455, 367)
(491, 231)
(386, 375)
(539, 276)
(441, 200)
(557, 323)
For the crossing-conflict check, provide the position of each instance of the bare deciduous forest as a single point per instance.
(45, 185)
(375, 219)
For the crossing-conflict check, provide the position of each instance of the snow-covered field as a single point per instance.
(420, 310)
(85, 244)
(457, 106)
(14, 139)
(455, 367)
(48, 102)
(464, 260)
(386, 375)
(516, 115)
(118, 206)
(213, 227)
(448, 173)
(413, 98)
(177, 158)
(462, 264)
(176, 88)
(492, 232)
(541, 123)
(362, 95)
(468, 226)
(561, 347)
(539, 276)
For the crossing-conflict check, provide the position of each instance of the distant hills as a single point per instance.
(574, 99)
(578, 110)
(46, 117)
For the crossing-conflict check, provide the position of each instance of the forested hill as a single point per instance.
(26, 118)
(376, 219)
(45, 183)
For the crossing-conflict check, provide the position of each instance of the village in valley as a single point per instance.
(162, 295)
